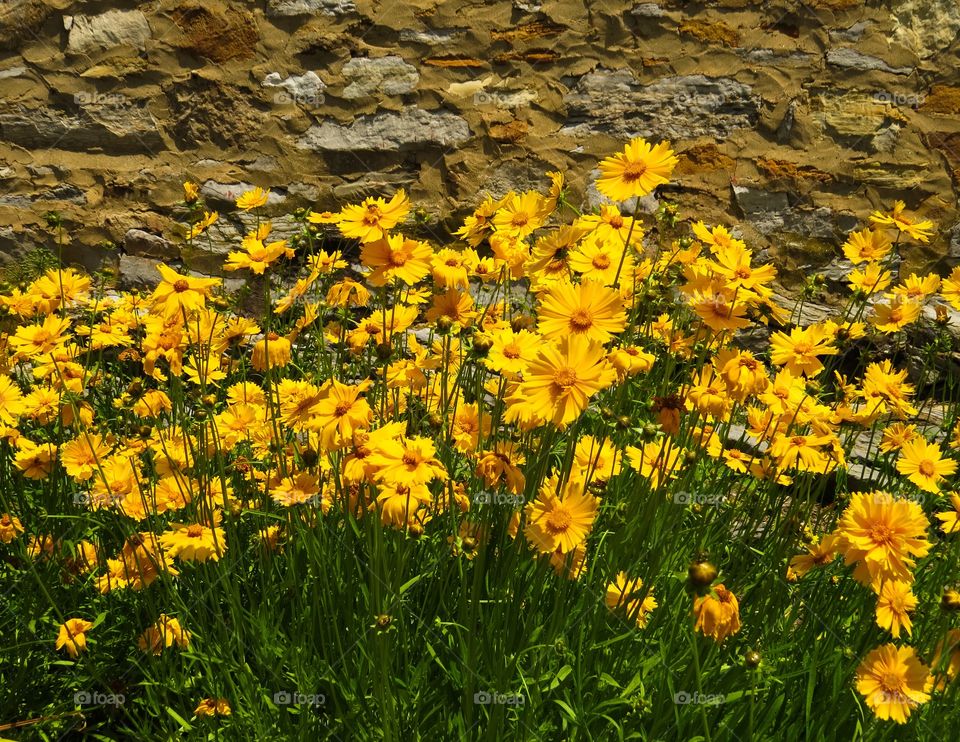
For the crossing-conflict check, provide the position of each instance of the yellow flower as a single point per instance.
(799, 350)
(502, 463)
(340, 412)
(950, 520)
(896, 435)
(10, 527)
(637, 170)
(81, 456)
(561, 379)
(733, 263)
(630, 360)
(191, 192)
(467, 425)
(719, 310)
(883, 387)
(195, 541)
(411, 461)
(396, 257)
(273, 351)
(177, 293)
(627, 595)
(11, 401)
(163, 634)
(373, 217)
(896, 218)
(867, 246)
(253, 199)
(560, 519)
(821, 552)
(512, 351)
(519, 215)
(31, 341)
(209, 218)
(802, 452)
(884, 535)
(893, 681)
(35, 460)
(894, 605)
(599, 460)
(946, 668)
(451, 268)
(599, 260)
(917, 289)
(950, 288)
(257, 256)
(301, 488)
(870, 280)
(921, 462)
(213, 707)
(896, 315)
(587, 309)
(73, 635)
(658, 461)
(717, 613)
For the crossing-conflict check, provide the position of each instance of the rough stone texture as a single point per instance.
(93, 33)
(305, 89)
(792, 121)
(384, 76)
(681, 107)
(145, 244)
(412, 127)
(20, 19)
(309, 7)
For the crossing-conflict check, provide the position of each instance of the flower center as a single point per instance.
(194, 531)
(881, 534)
(410, 458)
(519, 219)
(181, 286)
(601, 261)
(581, 320)
(565, 378)
(559, 520)
(341, 409)
(511, 351)
(891, 682)
(927, 468)
(896, 315)
(634, 171)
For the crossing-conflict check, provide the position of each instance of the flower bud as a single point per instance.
(701, 574)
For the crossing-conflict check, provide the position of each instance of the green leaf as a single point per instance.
(184, 724)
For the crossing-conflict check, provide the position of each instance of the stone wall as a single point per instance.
(794, 118)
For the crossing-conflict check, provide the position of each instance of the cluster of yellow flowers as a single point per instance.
(406, 385)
